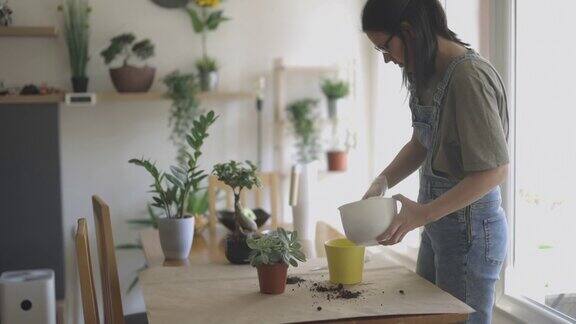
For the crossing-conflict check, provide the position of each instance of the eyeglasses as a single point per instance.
(385, 49)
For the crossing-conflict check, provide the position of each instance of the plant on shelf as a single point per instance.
(305, 125)
(171, 191)
(206, 18)
(335, 90)
(77, 34)
(239, 176)
(183, 90)
(127, 77)
(271, 254)
(5, 14)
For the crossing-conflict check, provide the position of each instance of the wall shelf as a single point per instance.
(32, 99)
(157, 96)
(24, 31)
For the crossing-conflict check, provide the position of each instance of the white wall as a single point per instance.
(96, 143)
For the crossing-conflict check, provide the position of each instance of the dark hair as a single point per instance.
(426, 18)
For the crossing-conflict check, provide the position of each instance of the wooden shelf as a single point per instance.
(23, 31)
(32, 99)
(157, 96)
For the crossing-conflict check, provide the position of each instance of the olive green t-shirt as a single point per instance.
(473, 129)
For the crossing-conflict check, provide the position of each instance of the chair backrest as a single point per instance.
(269, 182)
(112, 299)
(89, 303)
(325, 232)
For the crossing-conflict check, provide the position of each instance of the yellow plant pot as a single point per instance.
(345, 261)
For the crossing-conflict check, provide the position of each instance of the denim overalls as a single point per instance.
(463, 252)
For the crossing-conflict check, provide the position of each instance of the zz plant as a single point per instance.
(171, 190)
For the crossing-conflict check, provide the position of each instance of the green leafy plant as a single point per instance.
(303, 119)
(335, 89)
(206, 65)
(171, 190)
(77, 34)
(239, 176)
(279, 246)
(183, 89)
(198, 202)
(123, 45)
(205, 18)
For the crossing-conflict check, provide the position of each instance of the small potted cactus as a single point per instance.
(271, 254)
(239, 176)
(130, 78)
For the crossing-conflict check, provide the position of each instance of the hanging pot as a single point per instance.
(209, 80)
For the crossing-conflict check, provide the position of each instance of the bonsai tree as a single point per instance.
(123, 46)
(171, 190)
(271, 254)
(303, 119)
(183, 89)
(239, 176)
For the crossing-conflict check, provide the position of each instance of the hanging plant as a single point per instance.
(183, 89)
(305, 126)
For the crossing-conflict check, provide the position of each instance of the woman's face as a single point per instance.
(391, 45)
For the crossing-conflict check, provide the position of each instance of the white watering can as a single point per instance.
(365, 220)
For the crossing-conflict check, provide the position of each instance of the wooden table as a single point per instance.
(207, 289)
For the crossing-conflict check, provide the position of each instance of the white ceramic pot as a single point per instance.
(365, 220)
(302, 219)
(176, 236)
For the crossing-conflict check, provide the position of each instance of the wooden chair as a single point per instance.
(269, 181)
(89, 303)
(113, 311)
(325, 232)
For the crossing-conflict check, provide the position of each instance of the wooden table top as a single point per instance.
(208, 289)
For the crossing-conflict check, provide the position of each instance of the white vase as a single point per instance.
(302, 210)
(176, 236)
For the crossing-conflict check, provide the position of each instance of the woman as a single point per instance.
(460, 125)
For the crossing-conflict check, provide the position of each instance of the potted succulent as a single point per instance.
(77, 34)
(271, 254)
(239, 176)
(130, 78)
(205, 18)
(335, 90)
(171, 192)
(183, 89)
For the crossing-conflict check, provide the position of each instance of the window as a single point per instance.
(544, 224)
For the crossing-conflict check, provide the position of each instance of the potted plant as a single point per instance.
(130, 78)
(205, 18)
(305, 126)
(271, 254)
(77, 35)
(335, 90)
(239, 176)
(171, 192)
(183, 89)
(5, 14)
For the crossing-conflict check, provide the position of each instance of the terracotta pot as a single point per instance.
(337, 160)
(237, 250)
(132, 79)
(272, 278)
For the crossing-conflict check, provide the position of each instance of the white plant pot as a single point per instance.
(176, 236)
(302, 211)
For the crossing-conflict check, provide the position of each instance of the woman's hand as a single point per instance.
(412, 215)
(377, 188)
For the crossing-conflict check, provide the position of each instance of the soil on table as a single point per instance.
(292, 280)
